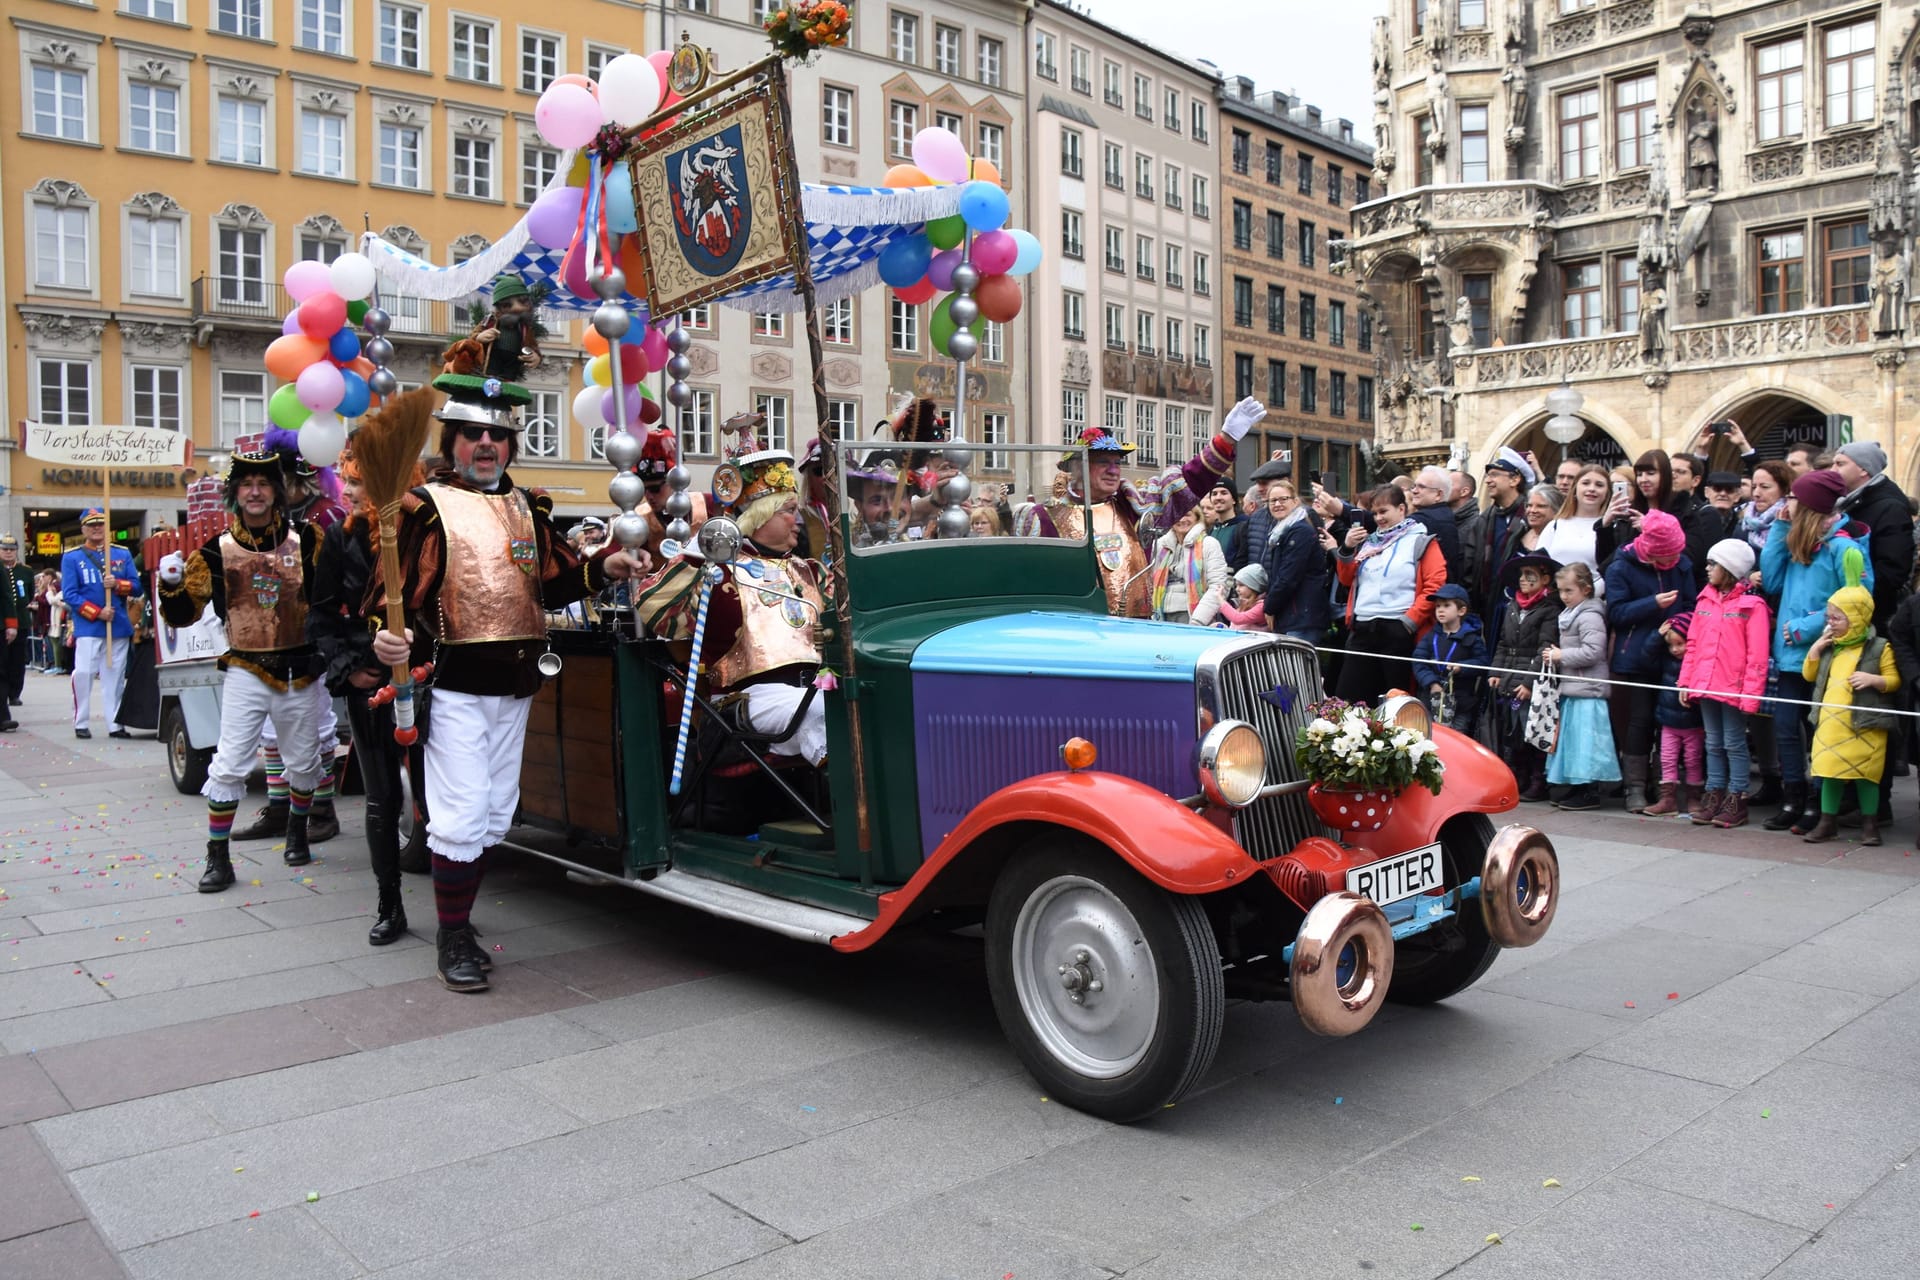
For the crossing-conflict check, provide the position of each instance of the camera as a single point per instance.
(1620, 488)
(1720, 428)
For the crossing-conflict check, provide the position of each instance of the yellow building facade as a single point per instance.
(162, 162)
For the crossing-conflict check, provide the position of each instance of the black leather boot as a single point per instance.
(322, 824)
(392, 923)
(383, 853)
(1793, 799)
(268, 823)
(219, 873)
(297, 854)
(459, 963)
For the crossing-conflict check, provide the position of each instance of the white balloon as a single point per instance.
(322, 437)
(629, 90)
(586, 405)
(352, 275)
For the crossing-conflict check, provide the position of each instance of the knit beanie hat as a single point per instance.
(1819, 490)
(1661, 539)
(1254, 578)
(1733, 555)
(1865, 454)
(1680, 624)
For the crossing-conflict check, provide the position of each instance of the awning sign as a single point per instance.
(102, 446)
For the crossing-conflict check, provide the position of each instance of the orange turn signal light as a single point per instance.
(1078, 753)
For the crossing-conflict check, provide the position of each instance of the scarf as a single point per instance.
(1755, 524)
(1294, 517)
(1526, 601)
(1381, 539)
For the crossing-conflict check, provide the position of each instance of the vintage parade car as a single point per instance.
(1114, 800)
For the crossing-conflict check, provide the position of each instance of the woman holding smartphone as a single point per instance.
(1575, 534)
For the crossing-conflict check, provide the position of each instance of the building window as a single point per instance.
(1276, 309)
(1144, 434)
(992, 58)
(1171, 115)
(400, 158)
(905, 326)
(1276, 384)
(1173, 186)
(774, 409)
(323, 144)
(696, 423)
(1306, 244)
(1471, 15)
(539, 166)
(240, 18)
(1309, 389)
(1242, 375)
(1242, 225)
(1175, 280)
(153, 255)
(1199, 131)
(1473, 144)
(1422, 151)
(1579, 113)
(1201, 209)
(323, 25)
(1110, 84)
(1243, 302)
(951, 122)
(1073, 313)
(836, 116)
(1626, 294)
(1176, 339)
(1112, 156)
(836, 323)
(1334, 175)
(540, 426)
(473, 167)
(596, 441)
(769, 324)
(1114, 322)
(903, 37)
(903, 121)
(1477, 288)
(1080, 70)
(398, 35)
(993, 430)
(1276, 235)
(598, 56)
(993, 342)
(1309, 311)
(243, 267)
(1242, 145)
(1779, 88)
(1362, 190)
(1337, 394)
(1337, 324)
(1071, 158)
(1303, 169)
(1073, 412)
(1071, 224)
(1143, 97)
(1580, 300)
(539, 61)
(1849, 72)
(947, 43)
(1144, 328)
(993, 145)
(1782, 256)
(1202, 278)
(60, 103)
(1114, 239)
(1116, 417)
(1365, 340)
(472, 50)
(155, 394)
(63, 246)
(1363, 399)
(243, 405)
(66, 392)
(1419, 19)
(1046, 57)
(243, 132)
(1635, 116)
(1143, 176)
(843, 419)
(1847, 260)
(321, 248)
(1203, 346)
(153, 118)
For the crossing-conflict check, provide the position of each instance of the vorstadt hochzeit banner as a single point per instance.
(105, 446)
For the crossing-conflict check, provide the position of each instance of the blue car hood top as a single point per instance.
(1070, 644)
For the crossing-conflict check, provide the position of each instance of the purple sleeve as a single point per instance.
(1176, 491)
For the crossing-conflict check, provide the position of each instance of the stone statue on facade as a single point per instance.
(1382, 53)
(1653, 316)
(1658, 190)
(1439, 103)
(1889, 288)
(1703, 144)
(1514, 81)
(1460, 332)
(1887, 215)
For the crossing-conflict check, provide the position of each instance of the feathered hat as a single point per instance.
(755, 482)
(658, 452)
(1101, 446)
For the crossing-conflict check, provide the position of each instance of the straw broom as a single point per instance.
(387, 448)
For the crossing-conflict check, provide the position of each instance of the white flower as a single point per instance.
(1321, 727)
(1379, 746)
(1421, 750)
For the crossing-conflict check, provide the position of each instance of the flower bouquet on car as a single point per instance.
(1358, 762)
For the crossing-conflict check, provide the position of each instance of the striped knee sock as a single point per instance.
(327, 780)
(276, 778)
(455, 885)
(220, 818)
(299, 803)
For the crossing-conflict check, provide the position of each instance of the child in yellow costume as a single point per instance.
(1852, 670)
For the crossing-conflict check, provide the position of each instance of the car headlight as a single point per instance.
(1233, 764)
(1403, 711)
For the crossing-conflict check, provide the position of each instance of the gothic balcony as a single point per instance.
(1378, 224)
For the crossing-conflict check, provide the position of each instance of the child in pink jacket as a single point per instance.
(1726, 670)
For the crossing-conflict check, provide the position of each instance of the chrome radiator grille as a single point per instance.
(1269, 828)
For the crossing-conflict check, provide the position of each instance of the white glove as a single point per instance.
(173, 569)
(1242, 417)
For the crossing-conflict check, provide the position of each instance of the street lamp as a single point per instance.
(1564, 403)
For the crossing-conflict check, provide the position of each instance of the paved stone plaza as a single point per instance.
(1708, 1070)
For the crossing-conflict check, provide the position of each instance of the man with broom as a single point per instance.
(483, 561)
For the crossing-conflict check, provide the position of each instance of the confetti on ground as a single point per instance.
(1493, 1237)
(254, 1214)
(805, 1107)
(1551, 1182)
(1469, 1178)
(1673, 995)
(1629, 1004)
(1339, 1100)
(1415, 1227)
(312, 1196)
(1766, 1113)
(239, 1168)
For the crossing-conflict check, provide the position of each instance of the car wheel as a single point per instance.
(1449, 958)
(185, 762)
(1108, 987)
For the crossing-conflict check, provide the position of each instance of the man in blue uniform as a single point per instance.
(95, 580)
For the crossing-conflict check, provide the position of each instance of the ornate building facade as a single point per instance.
(1686, 211)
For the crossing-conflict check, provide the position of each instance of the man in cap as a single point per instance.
(96, 578)
(1713, 520)
(16, 603)
(484, 562)
(1124, 522)
(1225, 524)
(1259, 522)
(1874, 500)
(258, 576)
(1506, 479)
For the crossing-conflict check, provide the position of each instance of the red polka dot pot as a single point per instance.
(1347, 811)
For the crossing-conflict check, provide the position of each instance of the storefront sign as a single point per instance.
(103, 446)
(91, 479)
(46, 544)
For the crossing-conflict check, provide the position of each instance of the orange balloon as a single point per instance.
(575, 77)
(999, 298)
(906, 175)
(632, 264)
(362, 366)
(290, 353)
(595, 344)
(985, 171)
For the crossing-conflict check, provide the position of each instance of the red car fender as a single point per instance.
(1165, 841)
(1476, 781)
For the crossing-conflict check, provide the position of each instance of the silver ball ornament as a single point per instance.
(679, 530)
(679, 367)
(630, 530)
(678, 477)
(679, 394)
(382, 383)
(679, 341)
(376, 322)
(955, 522)
(961, 459)
(966, 278)
(611, 321)
(963, 309)
(626, 490)
(611, 283)
(379, 350)
(623, 450)
(678, 505)
(963, 345)
(956, 489)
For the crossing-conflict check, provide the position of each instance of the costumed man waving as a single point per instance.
(763, 618)
(95, 581)
(483, 563)
(256, 576)
(1125, 523)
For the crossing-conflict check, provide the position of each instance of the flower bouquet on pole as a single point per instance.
(1358, 763)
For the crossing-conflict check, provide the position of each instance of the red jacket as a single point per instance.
(1728, 646)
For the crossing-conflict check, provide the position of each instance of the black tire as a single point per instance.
(1112, 914)
(185, 762)
(1446, 960)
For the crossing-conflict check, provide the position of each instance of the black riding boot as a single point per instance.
(383, 852)
(219, 873)
(297, 854)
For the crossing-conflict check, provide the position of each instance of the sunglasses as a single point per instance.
(477, 432)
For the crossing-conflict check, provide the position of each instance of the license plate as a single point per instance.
(1401, 876)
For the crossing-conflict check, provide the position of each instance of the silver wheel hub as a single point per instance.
(1086, 978)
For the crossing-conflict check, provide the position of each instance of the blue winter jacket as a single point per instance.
(1635, 616)
(1297, 579)
(1468, 645)
(1667, 711)
(1803, 589)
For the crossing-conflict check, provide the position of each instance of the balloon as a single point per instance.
(580, 171)
(343, 348)
(644, 389)
(906, 175)
(986, 171)
(915, 294)
(983, 205)
(654, 347)
(621, 218)
(630, 90)
(629, 400)
(635, 268)
(288, 357)
(554, 216)
(285, 411)
(567, 116)
(947, 233)
(321, 386)
(586, 404)
(999, 298)
(594, 341)
(322, 438)
(940, 325)
(905, 260)
(940, 269)
(993, 252)
(574, 77)
(357, 311)
(351, 276)
(354, 402)
(322, 314)
(1030, 253)
(363, 366)
(940, 155)
(633, 362)
(291, 324)
(600, 371)
(306, 278)
(573, 273)
(649, 412)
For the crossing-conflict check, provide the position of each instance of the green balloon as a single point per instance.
(285, 409)
(941, 325)
(645, 390)
(356, 311)
(947, 233)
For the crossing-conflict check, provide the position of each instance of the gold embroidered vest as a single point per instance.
(265, 611)
(775, 631)
(1116, 545)
(490, 587)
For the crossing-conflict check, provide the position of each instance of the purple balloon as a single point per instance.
(320, 386)
(994, 252)
(630, 401)
(940, 270)
(291, 325)
(554, 216)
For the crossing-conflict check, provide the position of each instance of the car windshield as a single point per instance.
(901, 497)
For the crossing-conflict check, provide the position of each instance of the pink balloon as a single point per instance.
(940, 270)
(567, 115)
(940, 155)
(320, 386)
(306, 278)
(573, 273)
(630, 401)
(554, 216)
(994, 252)
(322, 314)
(654, 347)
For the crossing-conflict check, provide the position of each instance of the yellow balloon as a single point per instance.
(577, 176)
(600, 371)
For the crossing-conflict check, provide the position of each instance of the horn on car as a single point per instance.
(1342, 964)
(1519, 886)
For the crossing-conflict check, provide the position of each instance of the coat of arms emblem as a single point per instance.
(266, 590)
(712, 202)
